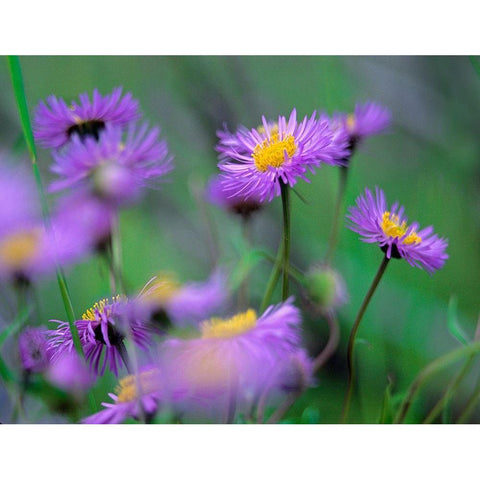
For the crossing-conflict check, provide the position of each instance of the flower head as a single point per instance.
(32, 345)
(376, 223)
(102, 329)
(70, 373)
(114, 168)
(185, 304)
(135, 395)
(325, 287)
(255, 162)
(56, 123)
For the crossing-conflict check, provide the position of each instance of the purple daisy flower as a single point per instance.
(376, 223)
(367, 119)
(114, 168)
(256, 161)
(185, 304)
(102, 329)
(215, 193)
(32, 345)
(70, 373)
(56, 122)
(133, 396)
(233, 359)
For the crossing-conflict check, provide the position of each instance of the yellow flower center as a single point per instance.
(162, 289)
(225, 328)
(392, 227)
(18, 249)
(99, 307)
(351, 122)
(273, 151)
(126, 390)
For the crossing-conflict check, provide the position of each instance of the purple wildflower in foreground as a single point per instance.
(101, 329)
(215, 193)
(255, 162)
(32, 345)
(70, 373)
(232, 361)
(376, 223)
(185, 304)
(133, 396)
(114, 168)
(56, 122)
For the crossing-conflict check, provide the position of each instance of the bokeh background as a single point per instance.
(429, 161)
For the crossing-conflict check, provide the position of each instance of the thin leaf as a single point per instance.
(15, 325)
(452, 321)
(387, 412)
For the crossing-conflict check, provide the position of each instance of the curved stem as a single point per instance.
(429, 370)
(283, 408)
(332, 342)
(332, 242)
(285, 189)
(446, 397)
(468, 410)
(351, 340)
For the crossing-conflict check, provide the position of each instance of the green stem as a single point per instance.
(447, 396)
(467, 412)
(19, 90)
(333, 240)
(332, 343)
(429, 370)
(351, 340)
(243, 290)
(285, 189)
(272, 282)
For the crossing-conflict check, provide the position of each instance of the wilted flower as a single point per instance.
(56, 122)
(32, 345)
(114, 168)
(255, 162)
(102, 329)
(136, 395)
(185, 304)
(376, 223)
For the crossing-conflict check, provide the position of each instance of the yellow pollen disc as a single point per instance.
(100, 307)
(126, 390)
(18, 249)
(392, 227)
(273, 129)
(351, 121)
(163, 288)
(271, 152)
(230, 327)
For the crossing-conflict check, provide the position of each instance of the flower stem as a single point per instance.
(285, 189)
(333, 240)
(429, 370)
(351, 340)
(468, 410)
(332, 343)
(243, 290)
(272, 282)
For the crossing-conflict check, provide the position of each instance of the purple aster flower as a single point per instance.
(32, 345)
(232, 360)
(215, 193)
(133, 396)
(367, 119)
(185, 304)
(102, 329)
(56, 122)
(114, 168)
(376, 223)
(255, 161)
(70, 373)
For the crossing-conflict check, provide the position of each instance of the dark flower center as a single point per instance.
(90, 128)
(114, 336)
(394, 251)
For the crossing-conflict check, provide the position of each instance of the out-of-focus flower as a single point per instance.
(233, 359)
(32, 345)
(215, 193)
(56, 122)
(114, 168)
(376, 223)
(325, 287)
(187, 304)
(134, 396)
(255, 162)
(70, 373)
(295, 373)
(102, 329)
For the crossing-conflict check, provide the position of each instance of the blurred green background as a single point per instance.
(429, 161)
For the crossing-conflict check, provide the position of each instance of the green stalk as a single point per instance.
(468, 410)
(351, 340)
(18, 87)
(285, 189)
(272, 282)
(333, 240)
(432, 368)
